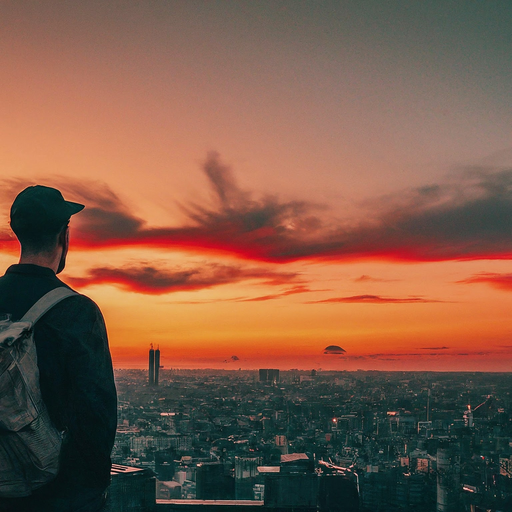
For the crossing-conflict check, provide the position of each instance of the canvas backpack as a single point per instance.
(29, 442)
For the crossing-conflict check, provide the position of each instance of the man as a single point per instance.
(76, 376)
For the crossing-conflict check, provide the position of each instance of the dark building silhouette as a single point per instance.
(269, 375)
(151, 373)
(297, 463)
(157, 365)
(337, 493)
(132, 490)
(291, 491)
(246, 475)
(154, 366)
(448, 477)
(214, 482)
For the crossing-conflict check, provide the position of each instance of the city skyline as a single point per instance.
(264, 181)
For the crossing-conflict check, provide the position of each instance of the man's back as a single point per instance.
(76, 377)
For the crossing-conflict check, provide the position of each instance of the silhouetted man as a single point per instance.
(76, 376)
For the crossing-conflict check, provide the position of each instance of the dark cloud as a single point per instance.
(106, 220)
(373, 299)
(433, 348)
(466, 219)
(149, 279)
(334, 349)
(500, 281)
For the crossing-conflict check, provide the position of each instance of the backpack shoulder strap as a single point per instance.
(46, 302)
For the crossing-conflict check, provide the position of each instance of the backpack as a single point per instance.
(29, 443)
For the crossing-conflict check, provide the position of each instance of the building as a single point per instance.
(132, 489)
(269, 375)
(246, 476)
(154, 366)
(448, 478)
(157, 365)
(214, 482)
(151, 370)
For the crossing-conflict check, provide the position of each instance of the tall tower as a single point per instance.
(151, 373)
(448, 477)
(157, 365)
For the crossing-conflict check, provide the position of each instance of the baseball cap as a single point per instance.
(41, 209)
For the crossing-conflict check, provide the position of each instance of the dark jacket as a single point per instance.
(76, 376)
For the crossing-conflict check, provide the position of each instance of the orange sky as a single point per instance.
(264, 180)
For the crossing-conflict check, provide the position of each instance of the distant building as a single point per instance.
(157, 365)
(246, 477)
(292, 490)
(297, 463)
(269, 375)
(337, 493)
(154, 366)
(132, 489)
(448, 478)
(506, 467)
(168, 490)
(151, 371)
(213, 482)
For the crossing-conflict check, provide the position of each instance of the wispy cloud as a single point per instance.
(466, 219)
(437, 352)
(297, 289)
(373, 299)
(500, 281)
(290, 291)
(149, 279)
(369, 279)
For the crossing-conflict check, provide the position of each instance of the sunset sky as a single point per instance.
(264, 179)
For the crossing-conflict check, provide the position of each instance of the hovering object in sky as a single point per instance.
(334, 349)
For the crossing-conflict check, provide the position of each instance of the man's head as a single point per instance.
(39, 218)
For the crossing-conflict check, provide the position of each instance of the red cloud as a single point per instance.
(468, 220)
(152, 280)
(500, 281)
(373, 299)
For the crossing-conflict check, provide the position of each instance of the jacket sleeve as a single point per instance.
(77, 384)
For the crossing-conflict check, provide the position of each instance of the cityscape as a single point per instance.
(297, 227)
(312, 440)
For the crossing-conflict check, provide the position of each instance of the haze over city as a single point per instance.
(264, 180)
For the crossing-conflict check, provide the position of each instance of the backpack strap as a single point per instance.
(46, 302)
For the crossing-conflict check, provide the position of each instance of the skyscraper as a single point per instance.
(151, 373)
(154, 366)
(157, 366)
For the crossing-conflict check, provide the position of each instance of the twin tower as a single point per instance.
(154, 365)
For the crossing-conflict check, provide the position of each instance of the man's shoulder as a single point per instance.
(78, 301)
(77, 307)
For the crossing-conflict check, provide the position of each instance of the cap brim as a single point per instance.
(74, 207)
